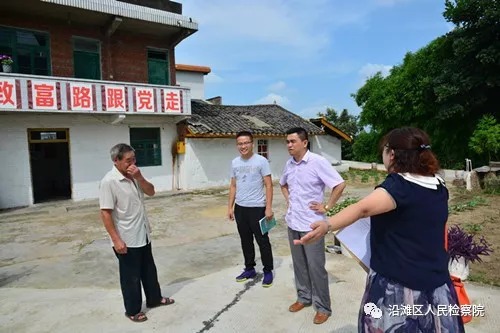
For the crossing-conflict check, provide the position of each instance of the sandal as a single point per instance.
(137, 318)
(164, 301)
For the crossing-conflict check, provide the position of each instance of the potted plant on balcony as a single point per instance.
(463, 249)
(7, 62)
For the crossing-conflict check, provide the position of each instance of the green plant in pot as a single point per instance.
(7, 62)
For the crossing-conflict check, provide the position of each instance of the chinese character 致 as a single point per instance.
(7, 94)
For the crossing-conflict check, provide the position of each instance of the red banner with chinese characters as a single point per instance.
(68, 95)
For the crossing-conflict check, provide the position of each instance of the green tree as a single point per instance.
(486, 137)
(365, 148)
(347, 123)
(446, 86)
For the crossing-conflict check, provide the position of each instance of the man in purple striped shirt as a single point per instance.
(303, 184)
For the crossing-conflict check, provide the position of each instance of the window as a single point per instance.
(146, 142)
(158, 67)
(86, 58)
(28, 49)
(262, 148)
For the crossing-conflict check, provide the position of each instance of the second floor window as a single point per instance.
(86, 58)
(30, 50)
(158, 67)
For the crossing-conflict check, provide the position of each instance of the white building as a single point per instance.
(85, 76)
(192, 77)
(209, 138)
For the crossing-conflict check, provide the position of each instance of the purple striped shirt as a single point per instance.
(306, 184)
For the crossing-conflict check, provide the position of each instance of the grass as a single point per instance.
(363, 176)
(468, 205)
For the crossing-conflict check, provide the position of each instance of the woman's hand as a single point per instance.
(319, 229)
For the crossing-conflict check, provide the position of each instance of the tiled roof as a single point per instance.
(272, 119)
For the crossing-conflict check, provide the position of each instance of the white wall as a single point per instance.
(206, 163)
(90, 139)
(15, 177)
(193, 80)
(327, 146)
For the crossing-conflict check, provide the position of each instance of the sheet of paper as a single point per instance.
(356, 239)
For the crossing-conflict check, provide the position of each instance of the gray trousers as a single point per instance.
(311, 277)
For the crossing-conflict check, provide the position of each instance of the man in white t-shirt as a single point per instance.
(250, 199)
(121, 199)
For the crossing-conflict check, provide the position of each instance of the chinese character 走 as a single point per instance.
(172, 100)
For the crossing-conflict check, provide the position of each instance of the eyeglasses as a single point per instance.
(241, 144)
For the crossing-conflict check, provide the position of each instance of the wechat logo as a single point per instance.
(372, 310)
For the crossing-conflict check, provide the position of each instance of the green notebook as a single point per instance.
(266, 225)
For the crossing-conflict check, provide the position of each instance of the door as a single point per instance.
(50, 166)
(158, 67)
(86, 58)
(87, 65)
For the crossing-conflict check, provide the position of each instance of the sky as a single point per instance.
(303, 55)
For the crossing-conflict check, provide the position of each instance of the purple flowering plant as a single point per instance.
(463, 244)
(6, 59)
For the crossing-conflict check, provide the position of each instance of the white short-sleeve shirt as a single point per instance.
(126, 199)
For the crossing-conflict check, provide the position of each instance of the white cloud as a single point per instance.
(273, 98)
(277, 86)
(212, 78)
(369, 70)
(312, 111)
(388, 3)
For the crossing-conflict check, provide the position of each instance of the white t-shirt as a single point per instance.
(249, 180)
(126, 199)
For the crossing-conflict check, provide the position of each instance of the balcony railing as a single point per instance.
(32, 93)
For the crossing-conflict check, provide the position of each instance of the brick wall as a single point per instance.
(123, 55)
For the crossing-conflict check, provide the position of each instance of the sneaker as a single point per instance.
(247, 274)
(268, 279)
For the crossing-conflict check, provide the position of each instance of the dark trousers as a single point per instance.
(137, 266)
(247, 220)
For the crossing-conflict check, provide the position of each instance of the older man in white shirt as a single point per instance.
(121, 199)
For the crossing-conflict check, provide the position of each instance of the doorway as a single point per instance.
(50, 167)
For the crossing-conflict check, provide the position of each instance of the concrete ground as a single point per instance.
(59, 274)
